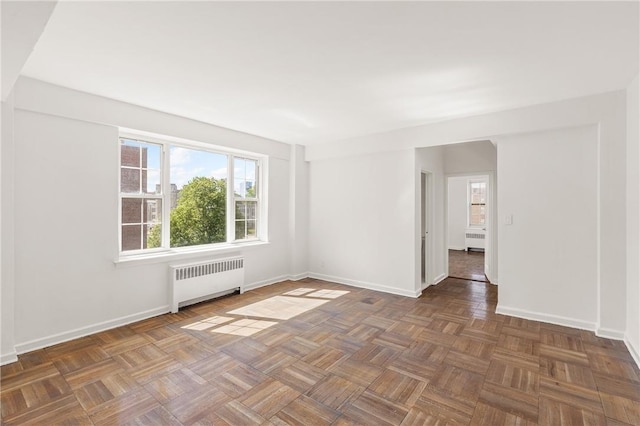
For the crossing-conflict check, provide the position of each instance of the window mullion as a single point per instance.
(231, 208)
(166, 196)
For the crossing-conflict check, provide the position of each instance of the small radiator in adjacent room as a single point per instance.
(195, 282)
(474, 239)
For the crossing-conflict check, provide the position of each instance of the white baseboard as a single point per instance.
(117, 322)
(609, 333)
(8, 358)
(54, 339)
(266, 282)
(548, 318)
(298, 277)
(491, 280)
(459, 248)
(106, 325)
(367, 285)
(634, 353)
(439, 279)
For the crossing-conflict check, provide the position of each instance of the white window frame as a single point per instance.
(469, 199)
(166, 143)
(231, 224)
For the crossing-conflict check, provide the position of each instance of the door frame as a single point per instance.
(426, 209)
(491, 243)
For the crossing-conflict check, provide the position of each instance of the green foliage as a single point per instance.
(251, 192)
(154, 237)
(200, 215)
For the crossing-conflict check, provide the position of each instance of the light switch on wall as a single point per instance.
(508, 219)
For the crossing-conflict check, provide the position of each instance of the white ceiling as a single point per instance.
(22, 24)
(319, 72)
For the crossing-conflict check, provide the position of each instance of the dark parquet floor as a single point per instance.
(467, 265)
(362, 358)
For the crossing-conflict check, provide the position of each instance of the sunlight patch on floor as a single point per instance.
(207, 323)
(299, 291)
(276, 307)
(245, 327)
(279, 307)
(328, 294)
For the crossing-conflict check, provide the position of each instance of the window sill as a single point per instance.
(181, 254)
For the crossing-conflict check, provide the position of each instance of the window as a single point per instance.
(245, 198)
(174, 195)
(477, 203)
(140, 191)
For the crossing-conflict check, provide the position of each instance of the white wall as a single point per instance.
(470, 157)
(374, 179)
(633, 219)
(457, 212)
(432, 160)
(298, 214)
(7, 275)
(548, 256)
(22, 24)
(362, 221)
(607, 111)
(66, 233)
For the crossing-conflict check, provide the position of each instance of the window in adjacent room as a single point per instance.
(477, 203)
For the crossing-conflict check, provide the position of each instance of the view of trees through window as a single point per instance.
(196, 196)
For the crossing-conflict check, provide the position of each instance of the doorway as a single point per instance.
(468, 224)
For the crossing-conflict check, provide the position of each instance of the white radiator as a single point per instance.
(196, 282)
(474, 238)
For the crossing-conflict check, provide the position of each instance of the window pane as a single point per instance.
(131, 210)
(240, 188)
(251, 228)
(477, 215)
(477, 201)
(198, 197)
(246, 219)
(130, 180)
(251, 208)
(129, 153)
(141, 223)
(240, 229)
(152, 184)
(251, 189)
(131, 237)
(140, 167)
(246, 210)
(152, 156)
(153, 211)
(241, 210)
(478, 192)
(154, 235)
(245, 229)
(244, 177)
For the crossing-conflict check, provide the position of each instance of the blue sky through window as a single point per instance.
(188, 163)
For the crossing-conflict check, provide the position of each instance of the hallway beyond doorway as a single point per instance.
(468, 265)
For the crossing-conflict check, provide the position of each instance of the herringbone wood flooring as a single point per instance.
(361, 358)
